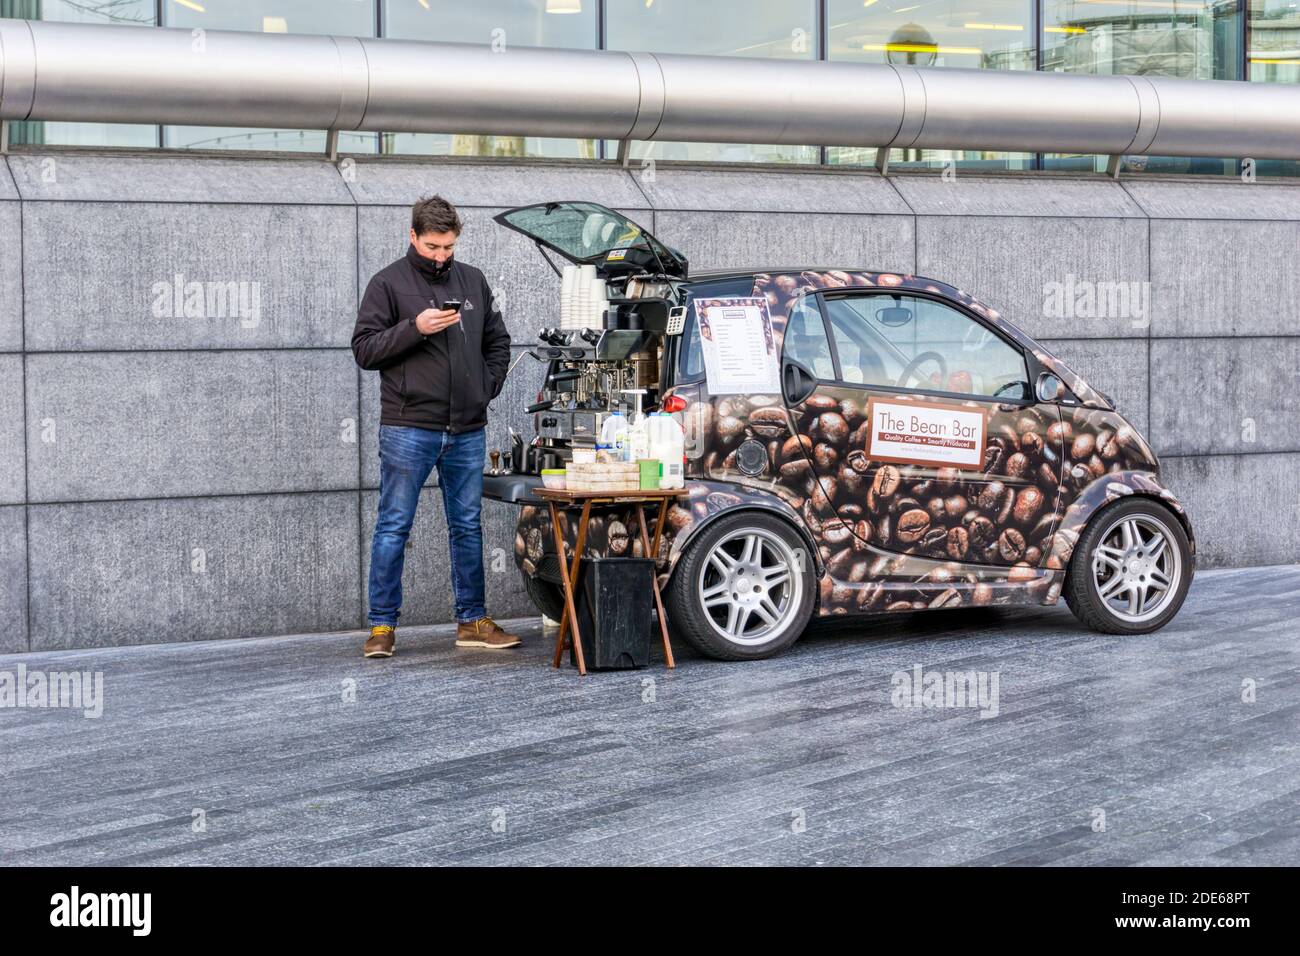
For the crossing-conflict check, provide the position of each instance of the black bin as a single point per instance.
(614, 604)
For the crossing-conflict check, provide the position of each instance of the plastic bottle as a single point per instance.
(667, 442)
(638, 443)
(613, 435)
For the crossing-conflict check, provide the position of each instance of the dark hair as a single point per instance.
(434, 214)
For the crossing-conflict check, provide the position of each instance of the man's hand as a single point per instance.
(435, 320)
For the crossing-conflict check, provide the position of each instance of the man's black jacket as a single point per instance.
(444, 380)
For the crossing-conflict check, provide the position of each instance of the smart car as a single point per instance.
(916, 451)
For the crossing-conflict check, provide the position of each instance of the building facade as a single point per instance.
(1254, 40)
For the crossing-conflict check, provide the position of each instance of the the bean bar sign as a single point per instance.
(927, 434)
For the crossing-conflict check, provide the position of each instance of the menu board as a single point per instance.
(738, 346)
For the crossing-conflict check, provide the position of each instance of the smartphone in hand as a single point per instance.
(454, 305)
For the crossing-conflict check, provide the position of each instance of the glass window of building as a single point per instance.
(1190, 39)
(557, 23)
(120, 12)
(130, 12)
(970, 34)
(975, 34)
(1274, 41)
(1274, 57)
(331, 17)
(570, 24)
(784, 29)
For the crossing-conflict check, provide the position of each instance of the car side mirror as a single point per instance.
(1049, 388)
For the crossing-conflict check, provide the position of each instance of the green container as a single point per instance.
(649, 473)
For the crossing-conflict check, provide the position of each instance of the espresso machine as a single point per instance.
(591, 374)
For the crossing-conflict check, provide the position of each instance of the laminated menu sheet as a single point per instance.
(738, 345)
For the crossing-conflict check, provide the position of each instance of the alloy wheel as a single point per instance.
(1136, 569)
(748, 587)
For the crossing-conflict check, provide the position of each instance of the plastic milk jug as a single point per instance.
(667, 442)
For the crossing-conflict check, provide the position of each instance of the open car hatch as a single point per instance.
(587, 233)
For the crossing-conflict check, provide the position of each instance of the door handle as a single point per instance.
(797, 381)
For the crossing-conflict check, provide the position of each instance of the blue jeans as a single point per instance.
(407, 456)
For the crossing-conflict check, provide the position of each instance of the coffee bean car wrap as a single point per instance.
(892, 535)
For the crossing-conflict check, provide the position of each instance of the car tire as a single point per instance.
(706, 604)
(546, 597)
(1122, 579)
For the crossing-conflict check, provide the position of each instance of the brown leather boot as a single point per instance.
(484, 632)
(381, 641)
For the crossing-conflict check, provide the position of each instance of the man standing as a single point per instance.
(439, 367)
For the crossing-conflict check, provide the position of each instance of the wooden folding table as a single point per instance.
(555, 499)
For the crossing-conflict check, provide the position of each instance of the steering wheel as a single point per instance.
(1006, 385)
(913, 365)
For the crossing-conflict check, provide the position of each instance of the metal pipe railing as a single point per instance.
(75, 72)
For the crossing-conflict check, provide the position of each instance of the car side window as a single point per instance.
(805, 338)
(905, 341)
(861, 361)
(691, 364)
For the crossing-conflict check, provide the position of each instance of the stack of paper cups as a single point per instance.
(582, 300)
(599, 298)
(568, 290)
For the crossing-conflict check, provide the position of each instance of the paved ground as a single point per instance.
(450, 756)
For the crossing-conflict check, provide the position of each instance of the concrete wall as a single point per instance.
(170, 477)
